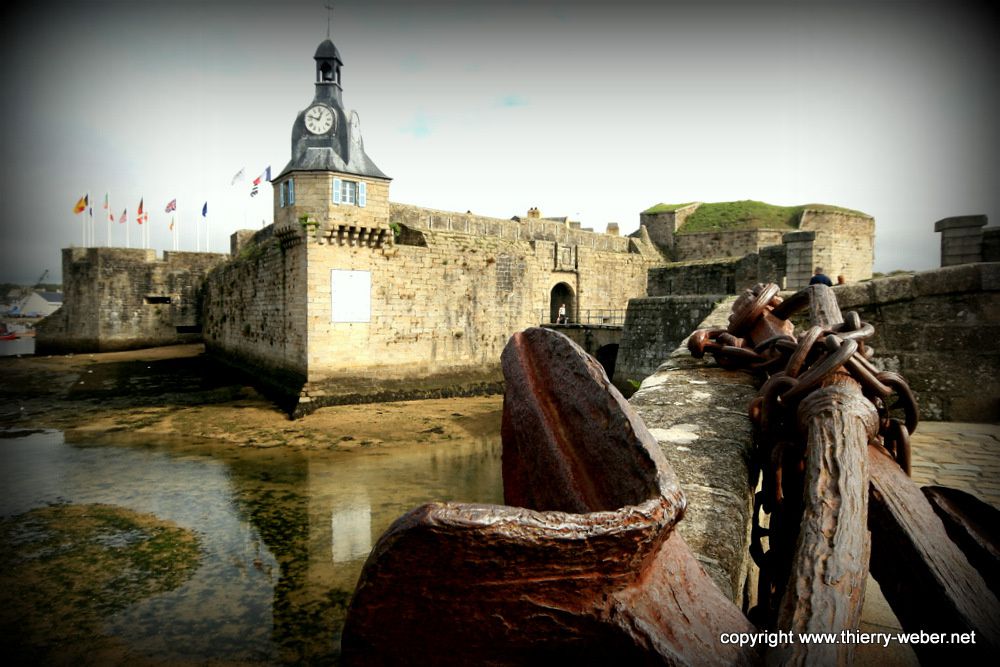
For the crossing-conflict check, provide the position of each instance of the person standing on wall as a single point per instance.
(562, 314)
(820, 278)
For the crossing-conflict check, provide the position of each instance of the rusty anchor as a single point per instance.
(584, 564)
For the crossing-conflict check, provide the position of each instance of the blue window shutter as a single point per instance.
(291, 191)
(336, 191)
(362, 193)
(281, 195)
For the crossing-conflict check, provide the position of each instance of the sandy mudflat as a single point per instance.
(178, 391)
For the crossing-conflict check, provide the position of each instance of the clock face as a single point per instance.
(319, 119)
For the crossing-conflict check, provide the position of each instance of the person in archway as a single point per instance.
(562, 314)
(820, 278)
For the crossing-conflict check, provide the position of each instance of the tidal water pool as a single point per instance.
(126, 550)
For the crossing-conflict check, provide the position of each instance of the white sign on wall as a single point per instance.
(350, 295)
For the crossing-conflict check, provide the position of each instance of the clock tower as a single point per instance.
(330, 179)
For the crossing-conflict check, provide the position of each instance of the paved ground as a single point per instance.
(962, 456)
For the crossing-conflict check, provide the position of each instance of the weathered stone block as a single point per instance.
(947, 280)
(894, 288)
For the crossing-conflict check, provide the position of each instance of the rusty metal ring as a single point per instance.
(731, 357)
(699, 340)
(776, 386)
(772, 341)
(791, 305)
(906, 398)
(862, 372)
(726, 338)
(738, 322)
(901, 437)
(863, 332)
(829, 364)
(802, 351)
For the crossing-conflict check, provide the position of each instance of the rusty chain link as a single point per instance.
(793, 366)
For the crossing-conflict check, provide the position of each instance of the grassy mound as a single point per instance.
(745, 214)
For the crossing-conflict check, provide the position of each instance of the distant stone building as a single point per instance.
(723, 247)
(117, 298)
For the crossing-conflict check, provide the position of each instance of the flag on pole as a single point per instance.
(204, 210)
(256, 182)
(172, 206)
(139, 216)
(240, 175)
(81, 204)
(107, 207)
(171, 223)
(122, 220)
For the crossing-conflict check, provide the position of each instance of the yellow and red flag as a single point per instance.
(81, 204)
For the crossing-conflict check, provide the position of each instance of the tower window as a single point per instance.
(325, 73)
(286, 193)
(350, 193)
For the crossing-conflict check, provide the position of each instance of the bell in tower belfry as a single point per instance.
(328, 63)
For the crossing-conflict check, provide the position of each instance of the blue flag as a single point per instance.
(204, 210)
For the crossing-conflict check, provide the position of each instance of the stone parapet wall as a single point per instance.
(527, 229)
(698, 414)
(721, 244)
(729, 275)
(938, 328)
(964, 240)
(255, 308)
(439, 305)
(654, 326)
(991, 244)
(450, 305)
(120, 298)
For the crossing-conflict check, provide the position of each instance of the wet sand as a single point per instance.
(178, 391)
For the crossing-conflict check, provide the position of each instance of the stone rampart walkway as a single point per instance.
(960, 455)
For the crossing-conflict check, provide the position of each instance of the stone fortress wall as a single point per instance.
(446, 292)
(119, 298)
(727, 260)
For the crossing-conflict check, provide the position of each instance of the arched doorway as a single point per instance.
(562, 294)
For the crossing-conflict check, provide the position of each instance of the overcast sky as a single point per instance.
(591, 110)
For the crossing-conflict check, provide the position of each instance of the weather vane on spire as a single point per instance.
(329, 11)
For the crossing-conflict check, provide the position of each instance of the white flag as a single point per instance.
(239, 176)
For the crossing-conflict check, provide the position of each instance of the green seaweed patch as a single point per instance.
(65, 568)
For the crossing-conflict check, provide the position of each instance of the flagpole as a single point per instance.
(107, 219)
(128, 234)
(90, 212)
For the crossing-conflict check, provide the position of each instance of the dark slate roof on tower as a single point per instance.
(326, 49)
